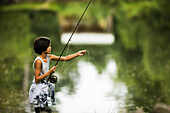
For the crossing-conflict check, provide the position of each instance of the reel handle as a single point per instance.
(53, 79)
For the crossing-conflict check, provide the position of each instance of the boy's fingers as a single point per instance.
(55, 66)
(83, 52)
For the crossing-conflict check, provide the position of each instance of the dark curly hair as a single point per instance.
(41, 44)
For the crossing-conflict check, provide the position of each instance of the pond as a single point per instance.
(94, 92)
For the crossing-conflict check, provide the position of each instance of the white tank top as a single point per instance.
(45, 67)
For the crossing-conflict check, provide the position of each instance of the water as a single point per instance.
(95, 93)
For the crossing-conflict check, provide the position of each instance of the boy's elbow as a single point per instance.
(37, 81)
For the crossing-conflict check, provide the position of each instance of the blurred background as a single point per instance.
(130, 73)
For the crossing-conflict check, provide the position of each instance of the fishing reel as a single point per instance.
(53, 79)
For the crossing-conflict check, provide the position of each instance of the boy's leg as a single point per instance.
(46, 110)
(37, 109)
(52, 93)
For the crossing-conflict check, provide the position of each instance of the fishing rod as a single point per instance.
(53, 78)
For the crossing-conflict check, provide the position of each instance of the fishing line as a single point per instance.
(88, 53)
(70, 65)
(62, 68)
(84, 78)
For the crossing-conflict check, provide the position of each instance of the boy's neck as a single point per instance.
(43, 55)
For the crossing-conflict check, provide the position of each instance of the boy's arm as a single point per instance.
(69, 57)
(39, 78)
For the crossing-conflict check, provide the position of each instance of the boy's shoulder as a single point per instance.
(38, 60)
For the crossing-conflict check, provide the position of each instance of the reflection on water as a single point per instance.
(95, 93)
(88, 38)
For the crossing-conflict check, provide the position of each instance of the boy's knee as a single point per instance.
(52, 86)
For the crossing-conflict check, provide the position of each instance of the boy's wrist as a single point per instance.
(77, 54)
(50, 73)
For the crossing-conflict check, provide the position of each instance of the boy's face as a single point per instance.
(48, 49)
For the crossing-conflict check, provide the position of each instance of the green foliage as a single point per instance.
(16, 34)
(142, 28)
(15, 42)
(97, 12)
(15, 48)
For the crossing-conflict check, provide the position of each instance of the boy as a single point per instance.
(39, 90)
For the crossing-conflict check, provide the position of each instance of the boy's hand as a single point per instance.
(82, 52)
(53, 69)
